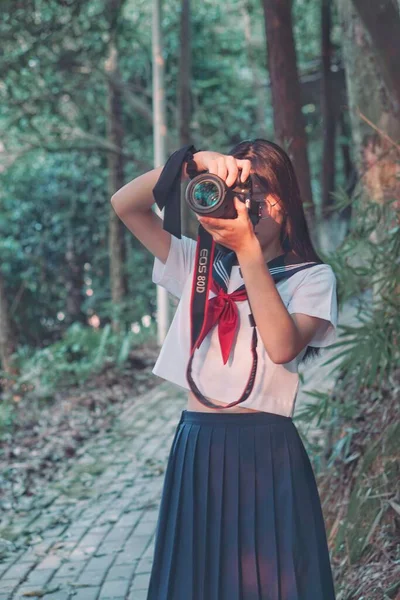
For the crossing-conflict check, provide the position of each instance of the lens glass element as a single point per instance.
(206, 194)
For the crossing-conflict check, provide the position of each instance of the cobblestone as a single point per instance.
(91, 593)
(98, 547)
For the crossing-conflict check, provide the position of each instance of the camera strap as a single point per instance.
(167, 191)
(280, 267)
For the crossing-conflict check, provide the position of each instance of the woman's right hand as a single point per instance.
(224, 165)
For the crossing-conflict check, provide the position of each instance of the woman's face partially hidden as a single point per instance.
(267, 229)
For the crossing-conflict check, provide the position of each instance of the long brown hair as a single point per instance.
(275, 171)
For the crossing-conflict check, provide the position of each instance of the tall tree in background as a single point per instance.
(257, 79)
(184, 74)
(375, 125)
(74, 275)
(115, 166)
(285, 89)
(327, 108)
(160, 143)
(7, 341)
(374, 119)
(382, 21)
(189, 223)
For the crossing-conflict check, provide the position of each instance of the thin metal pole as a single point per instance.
(159, 141)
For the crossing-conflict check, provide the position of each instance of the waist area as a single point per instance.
(193, 404)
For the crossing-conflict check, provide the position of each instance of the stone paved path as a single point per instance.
(90, 536)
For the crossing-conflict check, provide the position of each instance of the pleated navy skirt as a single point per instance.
(240, 515)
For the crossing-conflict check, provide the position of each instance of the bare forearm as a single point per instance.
(137, 195)
(275, 325)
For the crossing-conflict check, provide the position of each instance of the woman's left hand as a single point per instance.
(236, 234)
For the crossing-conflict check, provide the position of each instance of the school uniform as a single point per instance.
(240, 516)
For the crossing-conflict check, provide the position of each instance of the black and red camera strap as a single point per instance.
(167, 191)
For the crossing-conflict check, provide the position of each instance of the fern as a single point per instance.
(367, 352)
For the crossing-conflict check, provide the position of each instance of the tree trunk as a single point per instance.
(350, 174)
(7, 343)
(375, 155)
(159, 138)
(189, 224)
(257, 83)
(185, 67)
(117, 250)
(327, 110)
(74, 283)
(285, 90)
(381, 19)
(375, 125)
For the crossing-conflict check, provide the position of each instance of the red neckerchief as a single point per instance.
(222, 309)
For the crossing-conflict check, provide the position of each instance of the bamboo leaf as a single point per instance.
(373, 527)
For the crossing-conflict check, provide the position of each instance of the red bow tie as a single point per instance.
(222, 309)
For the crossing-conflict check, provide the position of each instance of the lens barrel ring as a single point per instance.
(202, 180)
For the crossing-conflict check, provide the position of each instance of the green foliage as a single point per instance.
(61, 57)
(367, 353)
(80, 353)
(367, 503)
(7, 416)
(54, 238)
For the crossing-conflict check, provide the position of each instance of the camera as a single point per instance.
(208, 194)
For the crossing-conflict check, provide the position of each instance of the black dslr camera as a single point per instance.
(208, 194)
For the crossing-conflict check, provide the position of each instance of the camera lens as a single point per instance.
(206, 194)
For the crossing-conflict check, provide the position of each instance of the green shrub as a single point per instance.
(80, 353)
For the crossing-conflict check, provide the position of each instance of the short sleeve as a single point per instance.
(316, 296)
(174, 273)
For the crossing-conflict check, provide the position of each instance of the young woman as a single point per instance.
(240, 515)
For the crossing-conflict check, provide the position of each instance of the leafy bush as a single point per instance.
(365, 356)
(81, 352)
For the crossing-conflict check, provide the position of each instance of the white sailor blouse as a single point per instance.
(311, 291)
